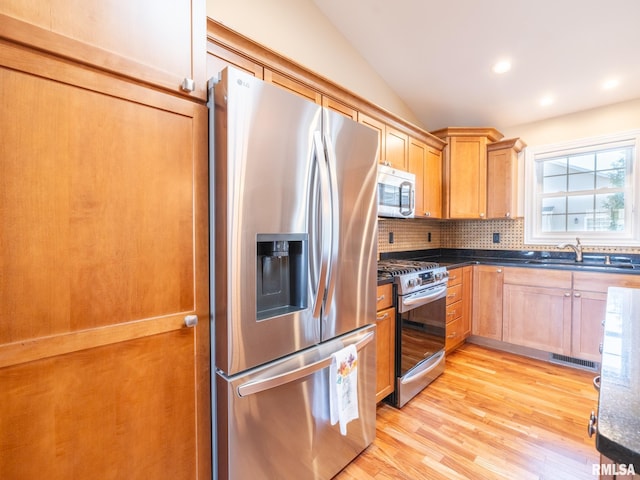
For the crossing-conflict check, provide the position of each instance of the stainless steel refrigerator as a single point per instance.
(295, 238)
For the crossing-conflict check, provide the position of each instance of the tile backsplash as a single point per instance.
(418, 234)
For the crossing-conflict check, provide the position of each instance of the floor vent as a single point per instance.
(575, 362)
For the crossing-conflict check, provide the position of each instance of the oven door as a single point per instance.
(421, 341)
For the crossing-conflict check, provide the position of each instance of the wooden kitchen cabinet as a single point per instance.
(426, 163)
(294, 86)
(153, 42)
(100, 177)
(537, 309)
(385, 342)
(337, 106)
(219, 58)
(458, 325)
(487, 301)
(589, 308)
(393, 144)
(467, 299)
(502, 178)
(465, 170)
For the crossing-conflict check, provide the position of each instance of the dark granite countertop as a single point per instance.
(558, 260)
(618, 435)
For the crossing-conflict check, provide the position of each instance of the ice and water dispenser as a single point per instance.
(282, 266)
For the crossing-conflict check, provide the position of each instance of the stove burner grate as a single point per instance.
(403, 267)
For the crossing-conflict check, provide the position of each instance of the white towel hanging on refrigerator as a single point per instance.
(343, 387)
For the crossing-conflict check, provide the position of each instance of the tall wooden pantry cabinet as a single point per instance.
(104, 368)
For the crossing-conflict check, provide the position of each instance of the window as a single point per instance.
(584, 189)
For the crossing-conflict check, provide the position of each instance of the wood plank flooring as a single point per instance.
(491, 415)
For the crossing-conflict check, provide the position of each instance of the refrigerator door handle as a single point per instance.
(263, 384)
(325, 209)
(335, 217)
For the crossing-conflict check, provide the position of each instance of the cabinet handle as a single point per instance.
(593, 420)
(600, 348)
(380, 298)
(499, 270)
(382, 317)
(451, 314)
(191, 320)
(452, 335)
(188, 85)
(567, 294)
(577, 294)
(452, 278)
(451, 295)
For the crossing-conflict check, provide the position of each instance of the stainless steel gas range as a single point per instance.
(420, 298)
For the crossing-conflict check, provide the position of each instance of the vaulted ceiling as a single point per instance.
(438, 55)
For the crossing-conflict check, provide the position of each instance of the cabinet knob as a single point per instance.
(567, 294)
(188, 85)
(577, 294)
(508, 214)
(427, 214)
(499, 270)
(482, 214)
(191, 320)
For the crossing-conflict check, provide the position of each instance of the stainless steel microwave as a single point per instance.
(396, 192)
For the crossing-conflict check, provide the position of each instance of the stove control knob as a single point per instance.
(411, 283)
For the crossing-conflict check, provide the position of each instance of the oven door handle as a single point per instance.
(423, 368)
(416, 301)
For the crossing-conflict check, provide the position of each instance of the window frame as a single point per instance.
(533, 234)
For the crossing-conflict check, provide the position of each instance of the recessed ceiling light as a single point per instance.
(502, 66)
(546, 100)
(610, 83)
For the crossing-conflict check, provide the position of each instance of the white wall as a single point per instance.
(619, 117)
(297, 29)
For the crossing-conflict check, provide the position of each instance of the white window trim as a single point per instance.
(532, 234)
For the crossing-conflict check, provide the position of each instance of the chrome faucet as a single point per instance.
(576, 248)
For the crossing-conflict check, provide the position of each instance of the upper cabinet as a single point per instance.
(426, 163)
(160, 43)
(502, 178)
(393, 144)
(294, 86)
(465, 170)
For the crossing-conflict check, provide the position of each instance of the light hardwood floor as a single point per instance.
(491, 415)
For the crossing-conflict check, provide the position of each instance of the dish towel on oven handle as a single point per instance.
(343, 387)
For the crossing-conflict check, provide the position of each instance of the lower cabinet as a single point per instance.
(385, 342)
(537, 309)
(487, 301)
(458, 307)
(537, 317)
(557, 311)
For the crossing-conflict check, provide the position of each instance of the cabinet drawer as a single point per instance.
(384, 296)
(454, 311)
(454, 294)
(455, 277)
(455, 334)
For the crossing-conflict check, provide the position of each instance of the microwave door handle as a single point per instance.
(407, 185)
(257, 386)
(325, 213)
(335, 218)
